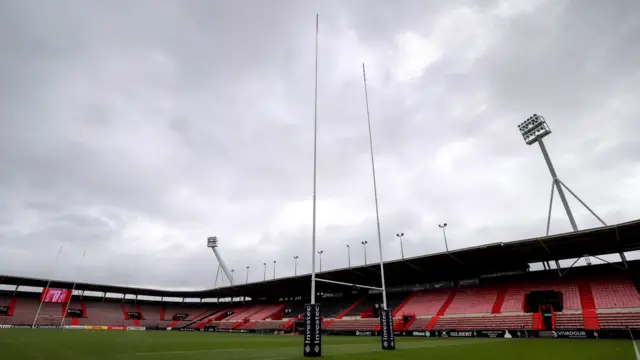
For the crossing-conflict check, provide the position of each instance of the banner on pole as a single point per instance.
(312, 331)
(386, 330)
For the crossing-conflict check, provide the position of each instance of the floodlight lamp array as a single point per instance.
(212, 241)
(534, 129)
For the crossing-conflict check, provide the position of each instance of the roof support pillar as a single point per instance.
(570, 267)
(621, 253)
(614, 265)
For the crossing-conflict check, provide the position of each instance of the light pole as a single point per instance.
(444, 233)
(295, 265)
(320, 252)
(533, 130)
(212, 243)
(401, 247)
(274, 269)
(247, 279)
(232, 271)
(265, 271)
(349, 254)
(364, 243)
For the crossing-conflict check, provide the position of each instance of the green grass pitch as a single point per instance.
(50, 344)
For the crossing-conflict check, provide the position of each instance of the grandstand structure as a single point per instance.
(485, 287)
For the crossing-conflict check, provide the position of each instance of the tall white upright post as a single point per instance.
(315, 171)
(312, 339)
(375, 190)
(46, 289)
(73, 288)
(386, 317)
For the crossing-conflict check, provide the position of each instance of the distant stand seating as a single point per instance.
(419, 324)
(266, 325)
(473, 301)
(357, 324)
(105, 313)
(484, 322)
(615, 293)
(570, 320)
(612, 300)
(515, 295)
(615, 320)
(426, 302)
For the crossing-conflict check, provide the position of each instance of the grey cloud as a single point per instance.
(135, 134)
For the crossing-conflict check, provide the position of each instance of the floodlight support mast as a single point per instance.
(533, 130)
(215, 283)
(556, 184)
(212, 242)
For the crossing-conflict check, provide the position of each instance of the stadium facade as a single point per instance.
(487, 290)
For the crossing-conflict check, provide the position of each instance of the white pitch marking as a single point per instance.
(635, 347)
(438, 344)
(187, 351)
(432, 343)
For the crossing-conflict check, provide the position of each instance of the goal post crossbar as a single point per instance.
(348, 284)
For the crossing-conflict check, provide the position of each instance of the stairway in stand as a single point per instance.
(536, 321)
(397, 311)
(589, 314)
(497, 305)
(345, 312)
(443, 309)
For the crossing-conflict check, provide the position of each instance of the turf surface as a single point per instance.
(49, 344)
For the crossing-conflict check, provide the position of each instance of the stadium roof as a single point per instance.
(454, 265)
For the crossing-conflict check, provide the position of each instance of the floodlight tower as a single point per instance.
(212, 242)
(533, 130)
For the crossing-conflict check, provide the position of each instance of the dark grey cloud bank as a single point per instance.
(133, 130)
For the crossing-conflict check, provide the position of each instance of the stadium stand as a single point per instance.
(617, 320)
(499, 291)
(266, 325)
(267, 311)
(358, 324)
(476, 300)
(515, 294)
(332, 307)
(24, 311)
(426, 302)
(615, 292)
(569, 320)
(105, 313)
(484, 322)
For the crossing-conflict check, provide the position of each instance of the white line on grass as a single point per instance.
(438, 344)
(635, 347)
(348, 347)
(186, 351)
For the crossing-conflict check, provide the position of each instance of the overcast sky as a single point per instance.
(135, 129)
